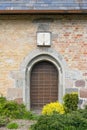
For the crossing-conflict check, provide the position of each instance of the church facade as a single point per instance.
(43, 51)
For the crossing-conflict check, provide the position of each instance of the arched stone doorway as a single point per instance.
(35, 57)
(43, 84)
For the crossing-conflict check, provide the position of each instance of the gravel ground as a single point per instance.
(23, 125)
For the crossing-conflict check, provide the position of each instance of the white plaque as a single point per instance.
(43, 38)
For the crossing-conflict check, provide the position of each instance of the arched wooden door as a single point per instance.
(44, 84)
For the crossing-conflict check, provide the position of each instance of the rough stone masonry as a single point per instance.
(18, 39)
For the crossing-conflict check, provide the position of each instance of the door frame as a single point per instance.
(37, 56)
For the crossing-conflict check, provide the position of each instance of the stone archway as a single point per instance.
(33, 58)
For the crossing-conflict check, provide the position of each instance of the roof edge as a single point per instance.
(41, 11)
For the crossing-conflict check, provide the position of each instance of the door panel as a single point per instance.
(44, 84)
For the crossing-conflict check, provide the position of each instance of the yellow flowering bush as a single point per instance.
(50, 108)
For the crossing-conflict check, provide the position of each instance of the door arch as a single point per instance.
(43, 84)
(37, 55)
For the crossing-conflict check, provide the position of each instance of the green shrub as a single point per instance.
(71, 102)
(70, 128)
(69, 121)
(46, 122)
(77, 120)
(3, 120)
(50, 122)
(2, 100)
(28, 115)
(12, 125)
(83, 112)
(13, 110)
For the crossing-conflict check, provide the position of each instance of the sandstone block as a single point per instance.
(83, 93)
(14, 93)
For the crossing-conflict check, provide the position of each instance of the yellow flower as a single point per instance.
(50, 108)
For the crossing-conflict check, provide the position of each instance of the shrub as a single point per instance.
(71, 102)
(3, 120)
(70, 121)
(28, 115)
(83, 112)
(12, 125)
(48, 122)
(2, 100)
(77, 120)
(13, 110)
(53, 107)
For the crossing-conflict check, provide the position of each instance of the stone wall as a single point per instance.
(18, 39)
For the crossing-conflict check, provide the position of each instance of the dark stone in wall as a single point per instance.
(80, 83)
(70, 90)
(43, 20)
(43, 27)
(43, 23)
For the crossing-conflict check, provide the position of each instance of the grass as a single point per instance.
(12, 125)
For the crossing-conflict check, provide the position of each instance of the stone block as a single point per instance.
(80, 103)
(84, 103)
(73, 74)
(43, 27)
(68, 83)
(83, 93)
(70, 90)
(14, 93)
(80, 83)
(19, 100)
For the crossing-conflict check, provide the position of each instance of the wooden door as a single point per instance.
(44, 84)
